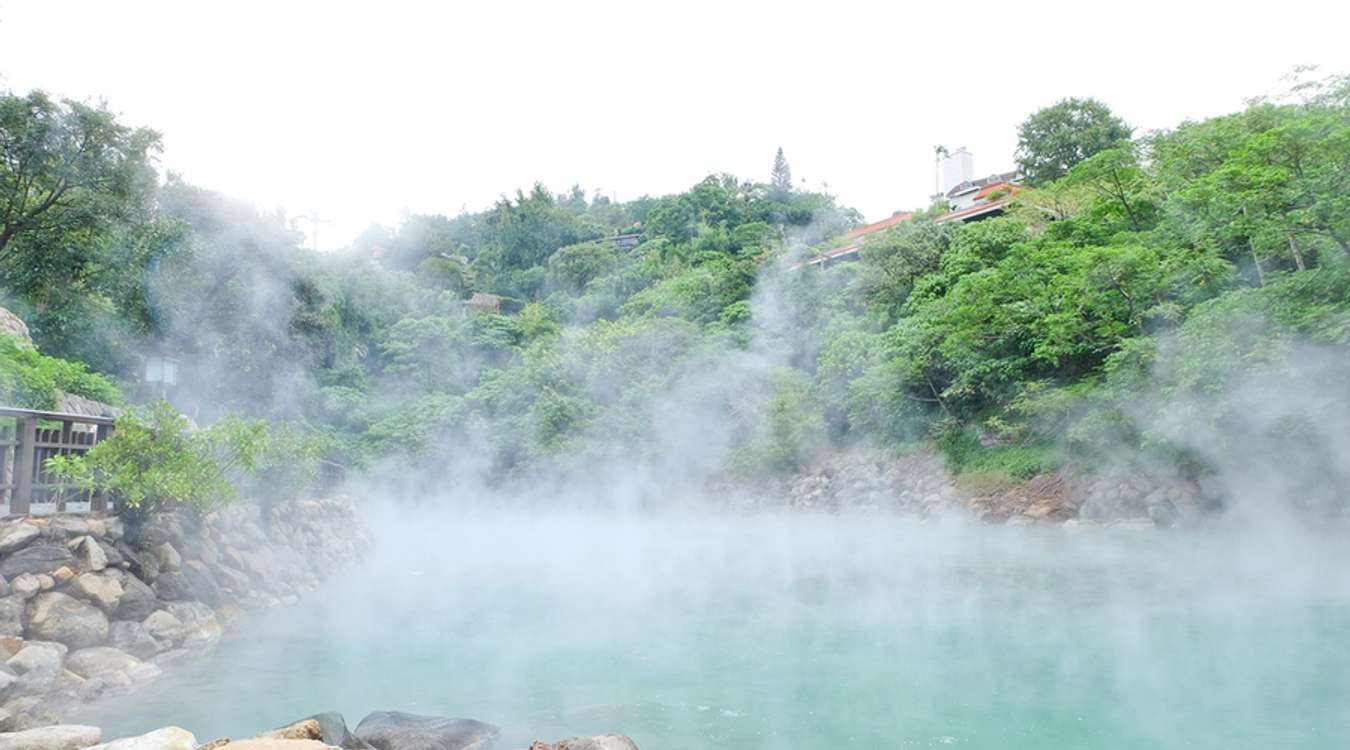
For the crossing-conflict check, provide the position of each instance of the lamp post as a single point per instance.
(161, 373)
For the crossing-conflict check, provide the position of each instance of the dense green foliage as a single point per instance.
(30, 380)
(1135, 281)
(1055, 139)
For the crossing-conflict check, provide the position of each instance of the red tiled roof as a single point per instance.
(899, 217)
(971, 212)
(995, 187)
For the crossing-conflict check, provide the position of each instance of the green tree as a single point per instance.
(67, 167)
(780, 181)
(1052, 140)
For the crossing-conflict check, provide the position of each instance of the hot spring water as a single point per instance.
(800, 632)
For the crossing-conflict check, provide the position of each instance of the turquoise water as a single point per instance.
(804, 632)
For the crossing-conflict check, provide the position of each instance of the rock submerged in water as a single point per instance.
(600, 742)
(395, 730)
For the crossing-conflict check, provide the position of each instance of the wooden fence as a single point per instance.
(28, 438)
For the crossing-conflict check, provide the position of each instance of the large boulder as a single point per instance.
(37, 559)
(395, 730)
(172, 586)
(17, 534)
(54, 616)
(38, 656)
(99, 588)
(601, 742)
(138, 600)
(97, 660)
(200, 626)
(58, 737)
(133, 638)
(163, 626)
(168, 738)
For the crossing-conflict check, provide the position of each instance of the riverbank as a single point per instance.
(93, 606)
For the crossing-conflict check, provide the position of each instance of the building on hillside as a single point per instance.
(625, 242)
(970, 198)
(967, 197)
(854, 240)
(482, 302)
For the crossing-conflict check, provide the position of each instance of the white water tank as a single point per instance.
(957, 167)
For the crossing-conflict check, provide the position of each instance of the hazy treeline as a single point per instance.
(1136, 290)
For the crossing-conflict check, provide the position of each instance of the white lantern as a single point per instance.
(161, 370)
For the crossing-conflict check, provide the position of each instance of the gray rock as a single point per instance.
(7, 677)
(4, 587)
(92, 662)
(201, 581)
(145, 564)
(38, 682)
(115, 528)
(101, 589)
(11, 615)
(89, 553)
(58, 737)
(133, 638)
(173, 586)
(1163, 513)
(168, 738)
(57, 617)
(25, 585)
(333, 731)
(395, 730)
(200, 626)
(144, 673)
(169, 559)
(39, 656)
(68, 526)
(16, 534)
(163, 626)
(37, 559)
(601, 742)
(111, 553)
(138, 600)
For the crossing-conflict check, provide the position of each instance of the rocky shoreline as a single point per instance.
(919, 485)
(97, 605)
(382, 730)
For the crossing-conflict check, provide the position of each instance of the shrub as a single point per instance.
(153, 459)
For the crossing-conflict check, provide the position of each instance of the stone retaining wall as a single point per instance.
(919, 484)
(94, 604)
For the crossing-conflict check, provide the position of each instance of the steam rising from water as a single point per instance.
(802, 631)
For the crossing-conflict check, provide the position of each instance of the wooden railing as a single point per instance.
(27, 439)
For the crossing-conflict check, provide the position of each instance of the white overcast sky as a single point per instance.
(365, 111)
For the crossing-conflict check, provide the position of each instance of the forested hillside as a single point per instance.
(1118, 309)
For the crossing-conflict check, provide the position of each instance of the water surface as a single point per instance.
(801, 632)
